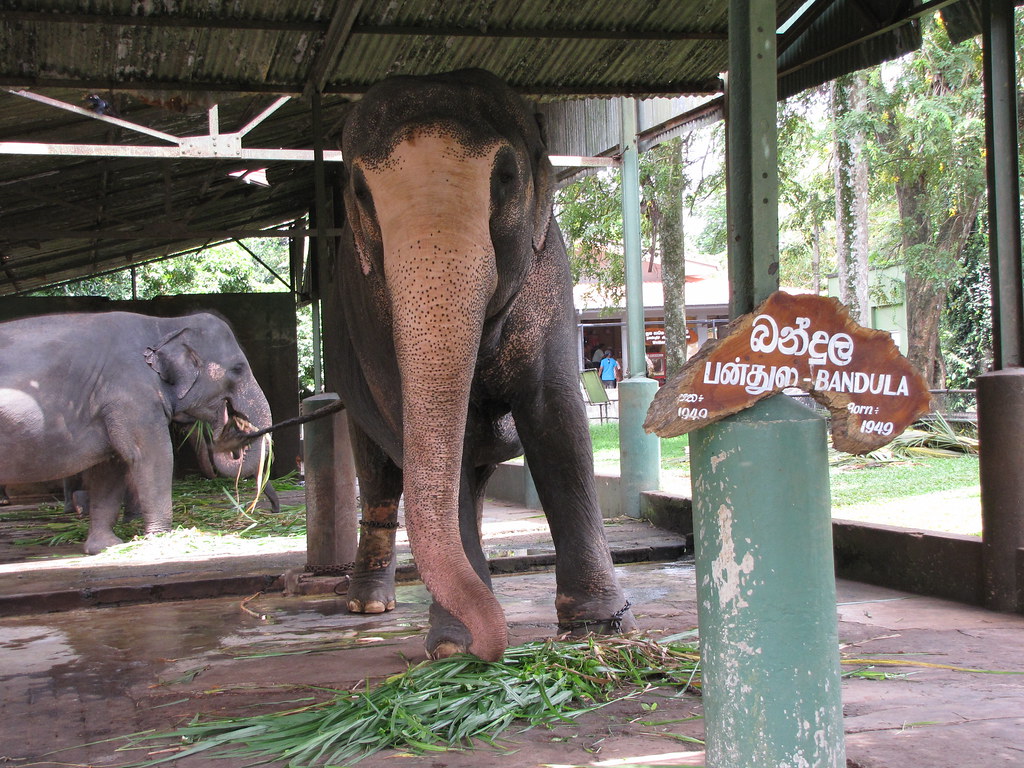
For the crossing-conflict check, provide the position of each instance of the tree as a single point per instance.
(589, 212)
(930, 136)
(967, 317)
(849, 113)
(663, 189)
(806, 190)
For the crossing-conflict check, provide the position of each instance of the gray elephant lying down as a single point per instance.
(94, 393)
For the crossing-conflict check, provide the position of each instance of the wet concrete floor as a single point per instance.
(75, 682)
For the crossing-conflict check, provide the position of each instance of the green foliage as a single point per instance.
(589, 212)
(444, 705)
(806, 194)
(967, 318)
(930, 130)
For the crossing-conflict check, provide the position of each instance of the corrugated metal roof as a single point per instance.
(161, 62)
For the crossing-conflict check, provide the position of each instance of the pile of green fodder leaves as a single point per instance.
(219, 505)
(930, 438)
(447, 704)
(934, 437)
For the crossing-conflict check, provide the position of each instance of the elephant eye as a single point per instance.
(360, 188)
(504, 174)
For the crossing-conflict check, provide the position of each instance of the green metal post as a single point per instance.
(639, 452)
(767, 602)
(531, 499)
(1001, 391)
(762, 517)
(1001, 143)
(321, 243)
(752, 200)
(631, 241)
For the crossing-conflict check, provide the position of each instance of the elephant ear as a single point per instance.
(543, 186)
(175, 362)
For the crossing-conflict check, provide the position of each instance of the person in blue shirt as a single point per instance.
(609, 370)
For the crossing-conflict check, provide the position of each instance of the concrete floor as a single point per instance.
(75, 681)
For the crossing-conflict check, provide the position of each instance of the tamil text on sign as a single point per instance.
(801, 341)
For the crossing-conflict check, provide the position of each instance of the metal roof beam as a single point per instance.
(94, 115)
(215, 152)
(704, 87)
(152, 232)
(108, 84)
(549, 34)
(264, 115)
(219, 147)
(164, 20)
(301, 25)
(337, 35)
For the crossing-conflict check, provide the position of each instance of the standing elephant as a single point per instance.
(95, 394)
(452, 340)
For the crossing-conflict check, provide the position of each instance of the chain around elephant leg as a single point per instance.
(372, 588)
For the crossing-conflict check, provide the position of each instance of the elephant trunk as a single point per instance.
(440, 271)
(248, 411)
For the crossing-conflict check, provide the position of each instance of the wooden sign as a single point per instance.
(803, 341)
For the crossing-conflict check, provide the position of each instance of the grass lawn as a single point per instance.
(934, 493)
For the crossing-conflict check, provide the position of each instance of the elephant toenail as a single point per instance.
(446, 649)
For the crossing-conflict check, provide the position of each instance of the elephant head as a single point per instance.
(249, 461)
(449, 198)
(207, 378)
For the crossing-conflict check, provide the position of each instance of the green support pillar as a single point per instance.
(762, 517)
(639, 452)
(531, 500)
(1001, 391)
(767, 603)
(751, 144)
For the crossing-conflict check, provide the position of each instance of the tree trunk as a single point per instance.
(816, 258)
(851, 186)
(673, 265)
(930, 262)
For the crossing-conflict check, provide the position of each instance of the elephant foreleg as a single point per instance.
(372, 586)
(448, 635)
(556, 438)
(103, 489)
(149, 461)
(271, 493)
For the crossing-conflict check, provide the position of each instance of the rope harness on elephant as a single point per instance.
(614, 624)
